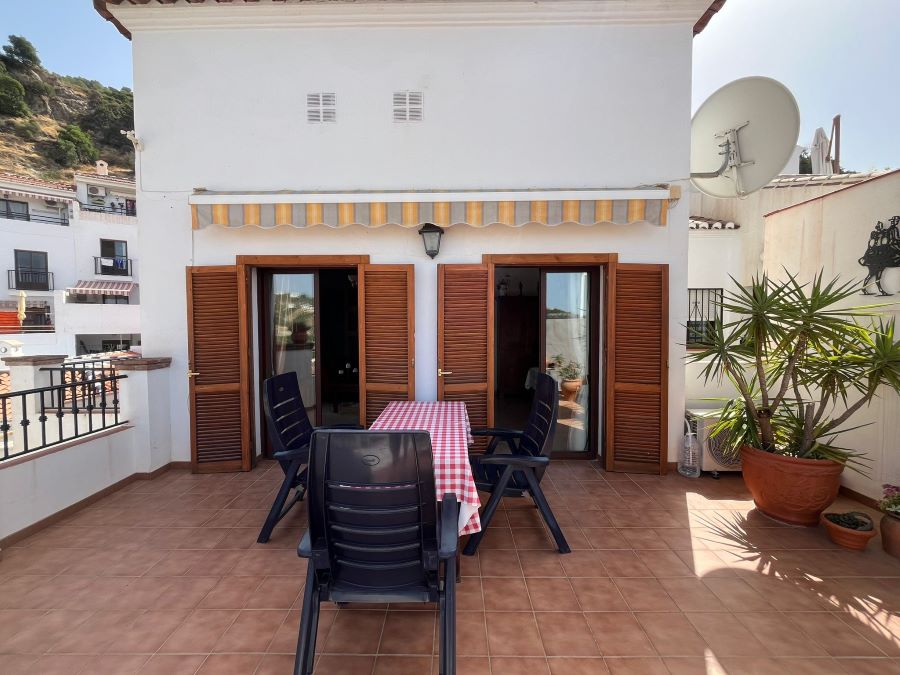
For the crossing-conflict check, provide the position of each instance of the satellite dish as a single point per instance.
(743, 136)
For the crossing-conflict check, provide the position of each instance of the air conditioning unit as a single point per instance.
(96, 191)
(51, 202)
(712, 453)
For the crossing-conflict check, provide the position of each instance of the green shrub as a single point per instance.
(74, 147)
(27, 129)
(20, 53)
(12, 97)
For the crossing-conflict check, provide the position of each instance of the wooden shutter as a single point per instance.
(637, 368)
(466, 340)
(387, 351)
(219, 369)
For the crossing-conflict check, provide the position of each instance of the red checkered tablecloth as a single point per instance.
(448, 424)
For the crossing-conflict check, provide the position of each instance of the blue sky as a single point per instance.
(837, 56)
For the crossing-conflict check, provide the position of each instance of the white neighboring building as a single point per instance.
(70, 249)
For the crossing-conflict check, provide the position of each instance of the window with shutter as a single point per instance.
(637, 368)
(219, 368)
(386, 337)
(465, 340)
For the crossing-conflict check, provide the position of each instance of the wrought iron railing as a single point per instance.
(27, 279)
(112, 265)
(122, 210)
(62, 219)
(35, 419)
(704, 310)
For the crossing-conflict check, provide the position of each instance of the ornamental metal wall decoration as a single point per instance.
(883, 252)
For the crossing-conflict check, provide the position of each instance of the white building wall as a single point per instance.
(514, 107)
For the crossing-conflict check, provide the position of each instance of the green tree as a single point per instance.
(109, 111)
(74, 147)
(20, 53)
(12, 97)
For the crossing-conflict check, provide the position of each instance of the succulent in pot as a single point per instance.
(851, 530)
(890, 521)
(802, 362)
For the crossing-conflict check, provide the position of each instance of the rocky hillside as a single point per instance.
(52, 125)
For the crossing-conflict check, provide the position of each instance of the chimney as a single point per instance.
(102, 168)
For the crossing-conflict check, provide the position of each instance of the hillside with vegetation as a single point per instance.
(53, 125)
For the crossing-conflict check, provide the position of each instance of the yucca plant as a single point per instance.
(803, 364)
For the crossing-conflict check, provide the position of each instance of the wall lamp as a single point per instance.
(431, 235)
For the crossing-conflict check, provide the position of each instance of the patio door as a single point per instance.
(466, 340)
(219, 369)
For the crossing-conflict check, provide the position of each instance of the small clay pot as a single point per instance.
(790, 489)
(890, 535)
(846, 537)
(570, 389)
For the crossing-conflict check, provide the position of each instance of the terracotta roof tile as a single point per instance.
(87, 177)
(31, 181)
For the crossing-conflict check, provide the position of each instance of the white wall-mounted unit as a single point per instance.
(712, 456)
(96, 191)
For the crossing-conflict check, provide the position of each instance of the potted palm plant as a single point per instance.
(803, 363)
(570, 374)
(890, 521)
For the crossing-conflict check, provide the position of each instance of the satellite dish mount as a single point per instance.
(731, 157)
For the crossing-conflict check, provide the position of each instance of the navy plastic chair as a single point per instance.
(520, 472)
(375, 533)
(290, 432)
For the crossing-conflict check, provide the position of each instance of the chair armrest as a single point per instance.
(288, 455)
(304, 550)
(449, 541)
(500, 433)
(519, 461)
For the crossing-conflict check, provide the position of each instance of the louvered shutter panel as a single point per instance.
(465, 340)
(386, 337)
(219, 362)
(637, 368)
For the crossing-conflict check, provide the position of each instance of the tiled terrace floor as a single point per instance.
(668, 575)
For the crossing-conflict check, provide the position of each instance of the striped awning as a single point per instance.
(102, 288)
(412, 209)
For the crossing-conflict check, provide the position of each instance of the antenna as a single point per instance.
(749, 129)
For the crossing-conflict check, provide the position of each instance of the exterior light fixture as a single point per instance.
(431, 235)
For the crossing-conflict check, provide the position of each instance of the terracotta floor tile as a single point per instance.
(645, 595)
(499, 563)
(497, 538)
(552, 594)
(691, 665)
(184, 593)
(230, 664)
(199, 632)
(355, 631)
(513, 634)
(834, 635)
(565, 634)
(692, 595)
(276, 592)
(605, 538)
(333, 664)
(60, 664)
(172, 664)
(275, 664)
(584, 564)
(147, 632)
(637, 666)
(95, 634)
(231, 593)
(115, 664)
(725, 635)
(518, 665)
(541, 564)
(623, 564)
(471, 634)
(252, 631)
(619, 634)
(577, 666)
(598, 595)
(505, 594)
(408, 633)
(671, 634)
(403, 665)
(664, 563)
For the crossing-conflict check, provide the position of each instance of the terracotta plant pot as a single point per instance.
(846, 537)
(890, 535)
(570, 389)
(790, 489)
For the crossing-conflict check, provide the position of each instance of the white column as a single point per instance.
(144, 400)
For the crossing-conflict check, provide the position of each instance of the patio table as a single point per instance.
(448, 424)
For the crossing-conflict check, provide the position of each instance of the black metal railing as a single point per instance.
(57, 413)
(115, 265)
(120, 209)
(62, 219)
(27, 279)
(704, 310)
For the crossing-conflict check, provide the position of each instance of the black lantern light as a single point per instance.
(431, 235)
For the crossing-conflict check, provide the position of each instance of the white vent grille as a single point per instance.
(409, 106)
(321, 107)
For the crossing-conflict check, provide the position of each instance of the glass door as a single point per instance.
(567, 354)
(292, 332)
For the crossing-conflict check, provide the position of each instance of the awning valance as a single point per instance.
(102, 288)
(412, 209)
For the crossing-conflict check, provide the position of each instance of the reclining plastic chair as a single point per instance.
(290, 431)
(375, 534)
(518, 473)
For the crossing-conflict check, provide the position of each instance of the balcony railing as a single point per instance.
(116, 265)
(25, 279)
(704, 311)
(124, 210)
(62, 219)
(78, 405)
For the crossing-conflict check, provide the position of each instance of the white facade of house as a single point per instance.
(517, 95)
(71, 239)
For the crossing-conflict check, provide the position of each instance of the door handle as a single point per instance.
(441, 373)
(191, 373)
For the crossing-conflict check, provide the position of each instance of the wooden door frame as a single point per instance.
(606, 261)
(245, 265)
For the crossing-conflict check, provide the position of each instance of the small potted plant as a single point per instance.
(803, 362)
(890, 521)
(300, 332)
(851, 530)
(570, 374)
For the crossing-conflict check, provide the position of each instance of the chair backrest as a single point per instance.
(372, 504)
(286, 417)
(537, 439)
